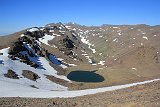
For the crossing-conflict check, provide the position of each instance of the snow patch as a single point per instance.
(100, 54)
(55, 34)
(63, 66)
(68, 27)
(22, 35)
(145, 37)
(60, 59)
(134, 68)
(83, 51)
(89, 59)
(72, 65)
(93, 50)
(154, 35)
(119, 33)
(46, 38)
(5, 51)
(115, 27)
(115, 59)
(101, 62)
(88, 43)
(115, 40)
(33, 29)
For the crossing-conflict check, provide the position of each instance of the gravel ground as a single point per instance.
(147, 95)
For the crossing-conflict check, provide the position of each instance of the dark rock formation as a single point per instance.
(11, 74)
(30, 75)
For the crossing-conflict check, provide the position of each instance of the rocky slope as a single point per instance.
(38, 56)
(113, 43)
(122, 53)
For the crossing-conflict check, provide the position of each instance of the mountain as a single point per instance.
(123, 53)
(45, 58)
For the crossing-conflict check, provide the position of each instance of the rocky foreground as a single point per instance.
(147, 95)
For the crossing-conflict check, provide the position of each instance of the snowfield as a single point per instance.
(8, 89)
(17, 66)
(45, 88)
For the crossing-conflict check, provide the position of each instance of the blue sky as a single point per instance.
(16, 15)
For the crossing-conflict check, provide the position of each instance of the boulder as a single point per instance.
(30, 75)
(11, 74)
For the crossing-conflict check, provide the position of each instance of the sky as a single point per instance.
(16, 15)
